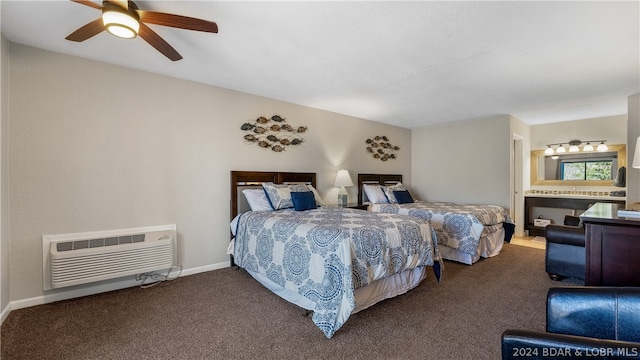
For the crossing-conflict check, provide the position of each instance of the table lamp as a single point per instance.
(343, 179)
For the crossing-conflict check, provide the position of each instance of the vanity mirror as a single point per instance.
(547, 171)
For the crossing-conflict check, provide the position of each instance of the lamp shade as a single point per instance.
(602, 147)
(636, 155)
(343, 178)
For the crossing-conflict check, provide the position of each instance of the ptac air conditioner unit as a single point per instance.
(81, 258)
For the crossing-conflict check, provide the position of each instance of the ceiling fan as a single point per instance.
(124, 19)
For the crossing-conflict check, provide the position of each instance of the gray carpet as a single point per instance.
(226, 314)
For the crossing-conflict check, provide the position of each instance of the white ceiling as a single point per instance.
(409, 64)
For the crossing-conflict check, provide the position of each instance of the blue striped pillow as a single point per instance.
(280, 195)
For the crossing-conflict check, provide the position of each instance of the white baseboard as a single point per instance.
(5, 312)
(206, 268)
(95, 289)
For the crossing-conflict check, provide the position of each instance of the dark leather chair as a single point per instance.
(582, 323)
(565, 251)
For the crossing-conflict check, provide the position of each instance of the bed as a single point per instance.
(465, 232)
(329, 260)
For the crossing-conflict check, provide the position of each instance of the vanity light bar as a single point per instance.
(573, 146)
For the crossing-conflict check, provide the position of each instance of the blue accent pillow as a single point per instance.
(403, 197)
(303, 200)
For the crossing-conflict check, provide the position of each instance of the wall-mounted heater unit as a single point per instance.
(81, 258)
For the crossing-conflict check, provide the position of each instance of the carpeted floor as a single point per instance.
(225, 314)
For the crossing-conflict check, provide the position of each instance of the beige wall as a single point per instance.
(521, 129)
(4, 199)
(610, 128)
(633, 131)
(463, 162)
(94, 146)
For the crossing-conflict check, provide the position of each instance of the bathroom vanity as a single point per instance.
(579, 202)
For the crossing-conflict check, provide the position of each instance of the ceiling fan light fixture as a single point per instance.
(120, 23)
(123, 18)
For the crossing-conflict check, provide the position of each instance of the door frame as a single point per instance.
(517, 185)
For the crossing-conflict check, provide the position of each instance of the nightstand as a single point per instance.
(356, 206)
(349, 206)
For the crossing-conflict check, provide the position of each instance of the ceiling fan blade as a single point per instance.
(158, 43)
(177, 21)
(89, 3)
(93, 28)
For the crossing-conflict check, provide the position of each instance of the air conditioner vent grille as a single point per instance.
(94, 243)
(80, 244)
(65, 246)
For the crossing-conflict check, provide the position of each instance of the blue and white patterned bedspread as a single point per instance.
(458, 226)
(325, 254)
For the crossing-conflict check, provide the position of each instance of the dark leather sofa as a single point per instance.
(565, 250)
(582, 323)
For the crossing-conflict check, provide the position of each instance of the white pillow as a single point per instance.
(388, 191)
(375, 194)
(316, 195)
(257, 199)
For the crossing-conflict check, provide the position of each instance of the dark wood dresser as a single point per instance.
(612, 246)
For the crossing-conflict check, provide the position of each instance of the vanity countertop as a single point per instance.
(594, 195)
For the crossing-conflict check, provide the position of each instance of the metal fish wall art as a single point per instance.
(273, 133)
(380, 148)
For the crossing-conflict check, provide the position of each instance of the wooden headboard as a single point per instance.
(370, 179)
(246, 179)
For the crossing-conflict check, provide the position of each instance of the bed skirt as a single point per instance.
(366, 296)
